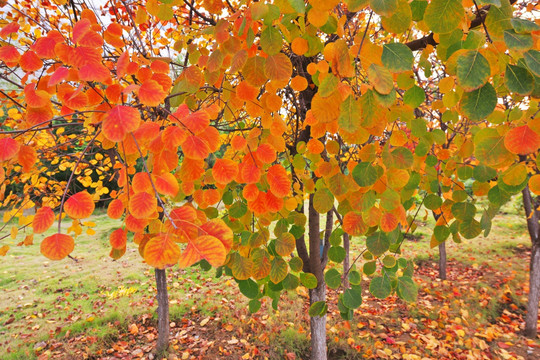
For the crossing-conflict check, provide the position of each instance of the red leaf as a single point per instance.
(522, 140)
(57, 246)
(9, 29)
(9, 54)
(8, 148)
(115, 209)
(94, 72)
(120, 121)
(79, 206)
(224, 171)
(30, 62)
(118, 239)
(43, 220)
(279, 181)
(151, 93)
(195, 148)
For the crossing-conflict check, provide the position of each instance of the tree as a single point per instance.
(219, 119)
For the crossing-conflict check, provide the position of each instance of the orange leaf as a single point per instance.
(218, 229)
(266, 153)
(224, 171)
(119, 121)
(211, 196)
(353, 224)
(43, 220)
(238, 143)
(534, 184)
(9, 29)
(246, 92)
(278, 67)
(115, 209)
(314, 146)
(167, 184)
(8, 148)
(388, 222)
(27, 157)
(196, 122)
(135, 225)
(279, 181)
(30, 62)
(9, 54)
(141, 183)
(205, 247)
(250, 192)
(57, 246)
(522, 140)
(195, 148)
(273, 203)
(94, 72)
(79, 206)
(161, 251)
(142, 205)
(118, 239)
(151, 93)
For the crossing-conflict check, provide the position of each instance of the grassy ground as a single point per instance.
(99, 308)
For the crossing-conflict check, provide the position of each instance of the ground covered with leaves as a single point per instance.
(95, 308)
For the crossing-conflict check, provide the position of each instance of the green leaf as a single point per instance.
(296, 264)
(352, 298)
(463, 211)
(323, 201)
(384, 7)
(378, 243)
(249, 288)
(414, 96)
(298, 5)
(333, 278)
(532, 59)
(499, 18)
(318, 308)
(407, 289)
(470, 228)
(278, 271)
(518, 80)
(418, 8)
(397, 57)
(400, 20)
(389, 261)
(336, 254)
(380, 287)
(443, 16)
(285, 244)
(472, 70)
(400, 158)
(369, 268)
(484, 173)
(479, 103)
(515, 41)
(238, 210)
(432, 202)
(271, 40)
(308, 280)
(254, 306)
(364, 174)
(328, 85)
(441, 233)
(349, 114)
(524, 26)
(290, 282)
(490, 149)
(354, 277)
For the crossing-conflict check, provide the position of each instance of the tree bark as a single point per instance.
(442, 261)
(531, 319)
(162, 311)
(346, 261)
(318, 325)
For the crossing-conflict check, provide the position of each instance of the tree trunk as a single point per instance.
(318, 325)
(346, 261)
(162, 311)
(442, 261)
(531, 319)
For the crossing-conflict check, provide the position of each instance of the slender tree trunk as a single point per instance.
(318, 325)
(162, 311)
(531, 319)
(346, 261)
(442, 261)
